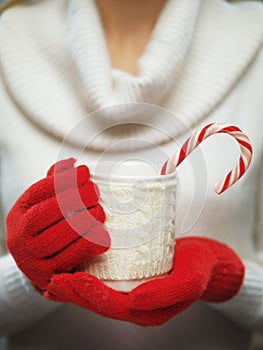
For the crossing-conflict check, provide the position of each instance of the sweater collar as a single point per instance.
(58, 74)
(158, 67)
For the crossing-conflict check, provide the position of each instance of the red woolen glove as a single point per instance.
(56, 224)
(203, 269)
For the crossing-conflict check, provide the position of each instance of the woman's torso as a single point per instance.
(28, 149)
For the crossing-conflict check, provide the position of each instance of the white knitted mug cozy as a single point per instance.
(140, 218)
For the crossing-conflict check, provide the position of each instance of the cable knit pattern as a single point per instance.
(140, 217)
(44, 93)
(180, 69)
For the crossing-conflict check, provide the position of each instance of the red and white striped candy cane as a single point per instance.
(211, 129)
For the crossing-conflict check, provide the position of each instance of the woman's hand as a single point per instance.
(56, 224)
(203, 269)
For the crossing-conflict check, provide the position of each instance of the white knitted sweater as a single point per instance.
(202, 64)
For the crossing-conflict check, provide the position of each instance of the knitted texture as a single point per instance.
(18, 298)
(188, 67)
(202, 269)
(249, 295)
(56, 224)
(140, 218)
(225, 41)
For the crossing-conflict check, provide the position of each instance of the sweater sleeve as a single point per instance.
(20, 304)
(246, 308)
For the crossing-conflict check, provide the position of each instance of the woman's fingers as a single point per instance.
(61, 165)
(52, 210)
(52, 186)
(57, 237)
(60, 288)
(98, 213)
(186, 282)
(93, 294)
(95, 242)
(89, 292)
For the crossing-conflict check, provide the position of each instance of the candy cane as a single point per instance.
(211, 129)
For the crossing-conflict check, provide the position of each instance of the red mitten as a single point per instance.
(203, 269)
(56, 224)
(87, 291)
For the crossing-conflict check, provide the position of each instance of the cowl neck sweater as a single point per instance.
(56, 67)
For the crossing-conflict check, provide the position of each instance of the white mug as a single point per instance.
(140, 208)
